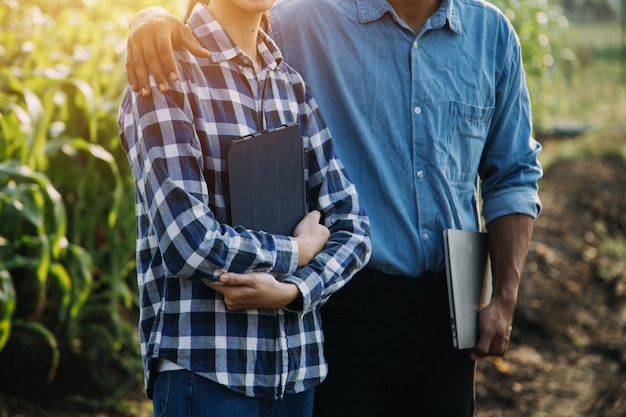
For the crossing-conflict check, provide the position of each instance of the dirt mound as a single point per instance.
(568, 351)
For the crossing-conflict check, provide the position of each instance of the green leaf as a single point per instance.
(57, 228)
(7, 304)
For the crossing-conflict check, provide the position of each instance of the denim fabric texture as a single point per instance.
(184, 394)
(419, 118)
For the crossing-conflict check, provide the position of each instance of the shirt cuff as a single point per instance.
(310, 293)
(304, 300)
(286, 256)
(512, 202)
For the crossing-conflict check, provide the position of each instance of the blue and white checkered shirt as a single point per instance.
(176, 144)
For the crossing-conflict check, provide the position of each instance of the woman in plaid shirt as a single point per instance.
(246, 342)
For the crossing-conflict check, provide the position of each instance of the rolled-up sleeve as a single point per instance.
(510, 168)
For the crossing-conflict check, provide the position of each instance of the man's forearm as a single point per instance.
(509, 241)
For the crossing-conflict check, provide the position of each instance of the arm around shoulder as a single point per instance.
(154, 34)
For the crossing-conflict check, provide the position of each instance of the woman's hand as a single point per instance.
(254, 290)
(311, 237)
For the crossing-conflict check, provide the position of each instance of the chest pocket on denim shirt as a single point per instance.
(467, 132)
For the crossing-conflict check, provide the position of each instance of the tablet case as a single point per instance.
(266, 180)
(469, 283)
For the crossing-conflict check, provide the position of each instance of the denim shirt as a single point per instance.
(421, 121)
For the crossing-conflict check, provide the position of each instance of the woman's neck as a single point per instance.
(240, 25)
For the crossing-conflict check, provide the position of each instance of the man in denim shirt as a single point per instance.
(428, 104)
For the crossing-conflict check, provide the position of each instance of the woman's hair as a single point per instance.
(190, 6)
(265, 24)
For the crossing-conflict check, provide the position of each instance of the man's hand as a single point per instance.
(154, 34)
(495, 324)
(254, 290)
(509, 241)
(311, 237)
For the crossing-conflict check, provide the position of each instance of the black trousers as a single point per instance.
(389, 349)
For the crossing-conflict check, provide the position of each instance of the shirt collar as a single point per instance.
(213, 37)
(370, 10)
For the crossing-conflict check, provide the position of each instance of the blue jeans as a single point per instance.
(184, 394)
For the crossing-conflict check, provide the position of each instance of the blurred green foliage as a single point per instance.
(541, 27)
(66, 196)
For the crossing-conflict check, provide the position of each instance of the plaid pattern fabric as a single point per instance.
(176, 144)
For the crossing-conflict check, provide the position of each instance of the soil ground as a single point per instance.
(567, 356)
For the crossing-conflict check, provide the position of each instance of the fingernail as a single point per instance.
(173, 76)
(162, 88)
(133, 87)
(145, 92)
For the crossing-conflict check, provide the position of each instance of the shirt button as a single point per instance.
(417, 109)
(416, 44)
(420, 174)
(425, 236)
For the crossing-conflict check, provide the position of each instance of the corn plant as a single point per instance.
(66, 194)
(33, 237)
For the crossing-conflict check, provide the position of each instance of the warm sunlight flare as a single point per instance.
(69, 296)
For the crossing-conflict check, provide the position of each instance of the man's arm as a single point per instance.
(154, 34)
(509, 241)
